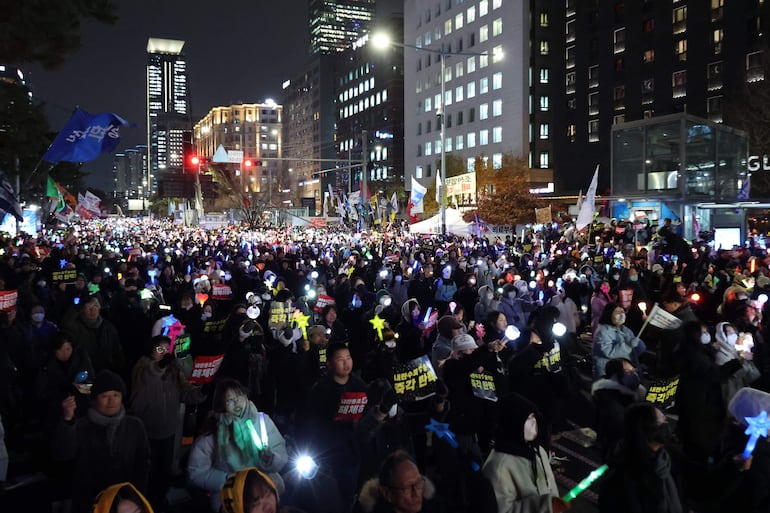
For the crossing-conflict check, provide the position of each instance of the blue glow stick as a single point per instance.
(757, 427)
(427, 314)
(263, 428)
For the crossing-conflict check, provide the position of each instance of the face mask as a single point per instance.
(41, 283)
(530, 429)
(732, 338)
(206, 315)
(662, 434)
(705, 338)
(634, 277)
(631, 380)
(187, 307)
(619, 319)
(38, 317)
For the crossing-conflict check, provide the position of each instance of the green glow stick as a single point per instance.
(254, 435)
(585, 483)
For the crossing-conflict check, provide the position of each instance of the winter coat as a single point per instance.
(615, 342)
(611, 399)
(209, 464)
(568, 313)
(104, 455)
(598, 301)
(512, 479)
(370, 500)
(516, 310)
(100, 340)
(735, 371)
(156, 394)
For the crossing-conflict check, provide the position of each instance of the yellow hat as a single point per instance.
(232, 491)
(106, 498)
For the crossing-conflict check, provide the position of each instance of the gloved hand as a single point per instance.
(166, 360)
(289, 335)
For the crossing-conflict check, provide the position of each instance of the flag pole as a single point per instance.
(647, 321)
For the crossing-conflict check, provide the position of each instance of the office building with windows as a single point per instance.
(252, 128)
(626, 61)
(168, 108)
(370, 98)
(336, 24)
(492, 86)
(129, 171)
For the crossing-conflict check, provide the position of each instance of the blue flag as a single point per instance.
(745, 191)
(8, 202)
(85, 137)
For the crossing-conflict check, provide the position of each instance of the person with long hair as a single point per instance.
(613, 339)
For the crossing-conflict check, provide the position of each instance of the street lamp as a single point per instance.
(381, 40)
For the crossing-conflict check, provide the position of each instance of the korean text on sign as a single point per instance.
(415, 379)
(662, 392)
(205, 368)
(351, 406)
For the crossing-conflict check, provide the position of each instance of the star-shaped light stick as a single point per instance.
(378, 323)
(442, 431)
(301, 322)
(758, 426)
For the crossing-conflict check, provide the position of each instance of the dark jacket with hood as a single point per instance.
(611, 399)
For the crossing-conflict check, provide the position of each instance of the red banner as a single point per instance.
(221, 291)
(8, 300)
(205, 368)
(322, 301)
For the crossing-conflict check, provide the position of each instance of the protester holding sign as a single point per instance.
(236, 437)
(614, 340)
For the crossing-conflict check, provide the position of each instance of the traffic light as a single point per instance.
(194, 160)
(248, 163)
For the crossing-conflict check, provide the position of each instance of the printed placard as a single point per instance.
(205, 368)
(415, 379)
(182, 346)
(214, 326)
(351, 407)
(322, 301)
(8, 299)
(662, 392)
(483, 385)
(220, 291)
(280, 314)
(65, 276)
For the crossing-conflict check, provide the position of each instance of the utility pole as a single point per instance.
(364, 172)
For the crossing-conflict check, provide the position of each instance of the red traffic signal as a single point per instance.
(248, 163)
(195, 160)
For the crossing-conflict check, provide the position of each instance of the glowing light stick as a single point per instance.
(512, 333)
(642, 306)
(301, 322)
(378, 324)
(559, 329)
(427, 314)
(762, 298)
(585, 483)
(62, 263)
(757, 427)
(254, 435)
(263, 428)
(442, 431)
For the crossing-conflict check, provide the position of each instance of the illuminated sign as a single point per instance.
(755, 162)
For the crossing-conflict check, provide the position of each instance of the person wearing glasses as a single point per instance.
(399, 488)
(233, 440)
(158, 386)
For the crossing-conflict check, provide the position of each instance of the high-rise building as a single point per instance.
(256, 130)
(337, 24)
(370, 97)
(129, 170)
(308, 128)
(490, 85)
(628, 61)
(168, 108)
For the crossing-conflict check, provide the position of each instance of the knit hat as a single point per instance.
(446, 324)
(463, 342)
(232, 491)
(107, 498)
(107, 381)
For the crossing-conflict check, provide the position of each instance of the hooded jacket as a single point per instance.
(485, 304)
(107, 498)
(735, 372)
(519, 470)
(611, 399)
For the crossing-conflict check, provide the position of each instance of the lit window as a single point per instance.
(470, 90)
(483, 85)
(497, 27)
(470, 14)
(619, 38)
(448, 26)
(571, 132)
(680, 50)
(545, 48)
(428, 105)
(649, 56)
(679, 83)
(418, 172)
(458, 94)
(459, 21)
(593, 130)
(570, 56)
(470, 64)
(544, 19)
(543, 76)
(483, 137)
(459, 67)
(472, 140)
(483, 7)
(483, 61)
(497, 53)
(459, 142)
(544, 130)
(497, 134)
(483, 33)
(497, 160)
(544, 103)
(484, 111)
(496, 4)
(545, 161)
(470, 164)
(447, 97)
(428, 149)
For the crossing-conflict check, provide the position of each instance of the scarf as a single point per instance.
(234, 444)
(110, 423)
(669, 498)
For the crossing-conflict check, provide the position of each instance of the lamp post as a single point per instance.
(381, 40)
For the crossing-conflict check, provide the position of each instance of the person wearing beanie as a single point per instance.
(107, 446)
(96, 335)
(516, 304)
(158, 387)
(249, 491)
(518, 467)
(229, 444)
(448, 327)
(120, 498)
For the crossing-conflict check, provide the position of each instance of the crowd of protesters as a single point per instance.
(311, 329)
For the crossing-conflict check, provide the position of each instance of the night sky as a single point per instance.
(237, 50)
